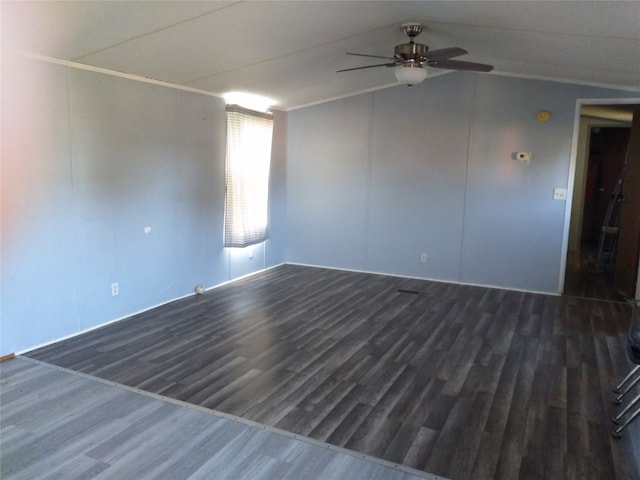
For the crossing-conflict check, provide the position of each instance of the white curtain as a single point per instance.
(248, 157)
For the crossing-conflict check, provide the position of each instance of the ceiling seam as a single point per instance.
(137, 37)
(302, 50)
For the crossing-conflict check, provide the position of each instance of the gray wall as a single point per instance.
(88, 161)
(376, 180)
(366, 183)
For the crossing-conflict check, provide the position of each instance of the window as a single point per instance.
(246, 214)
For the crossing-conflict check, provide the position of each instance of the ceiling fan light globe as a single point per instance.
(410, 74)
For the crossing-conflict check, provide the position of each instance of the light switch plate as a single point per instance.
(559, 193)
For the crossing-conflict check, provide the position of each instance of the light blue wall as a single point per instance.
(328, 183)
(38, 247)
(513, 227)
(419, 151)
(368, 183)
(144, 156)
(376, 180)
(275, 253)
(88, 161)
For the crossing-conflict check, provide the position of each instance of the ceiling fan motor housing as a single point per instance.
(411, 51)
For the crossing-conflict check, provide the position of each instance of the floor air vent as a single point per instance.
(412, 292)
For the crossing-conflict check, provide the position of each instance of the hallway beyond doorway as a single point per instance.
(586, 279)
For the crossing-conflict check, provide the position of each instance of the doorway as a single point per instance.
(594, 266)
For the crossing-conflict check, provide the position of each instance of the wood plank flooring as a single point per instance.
(61, 425)
(459, 381)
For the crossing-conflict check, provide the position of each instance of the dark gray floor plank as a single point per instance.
(416, 378)
(109, 432)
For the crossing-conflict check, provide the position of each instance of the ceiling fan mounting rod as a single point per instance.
(414, 53)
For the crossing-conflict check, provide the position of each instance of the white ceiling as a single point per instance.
(289, 51)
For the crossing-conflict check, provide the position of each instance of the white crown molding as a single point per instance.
(138, 78)
(114, 73)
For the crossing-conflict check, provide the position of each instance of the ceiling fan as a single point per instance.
(410, 59)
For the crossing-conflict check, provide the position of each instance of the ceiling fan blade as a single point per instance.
(444, 53)
(459, 65)
(367, 66)
(372, 56)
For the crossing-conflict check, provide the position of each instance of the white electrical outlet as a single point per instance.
(423, 258)
(115, 289)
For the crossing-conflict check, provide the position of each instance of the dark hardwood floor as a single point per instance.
(459, 381)
(60, 424)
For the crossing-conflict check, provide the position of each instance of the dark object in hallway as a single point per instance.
(460, 381)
